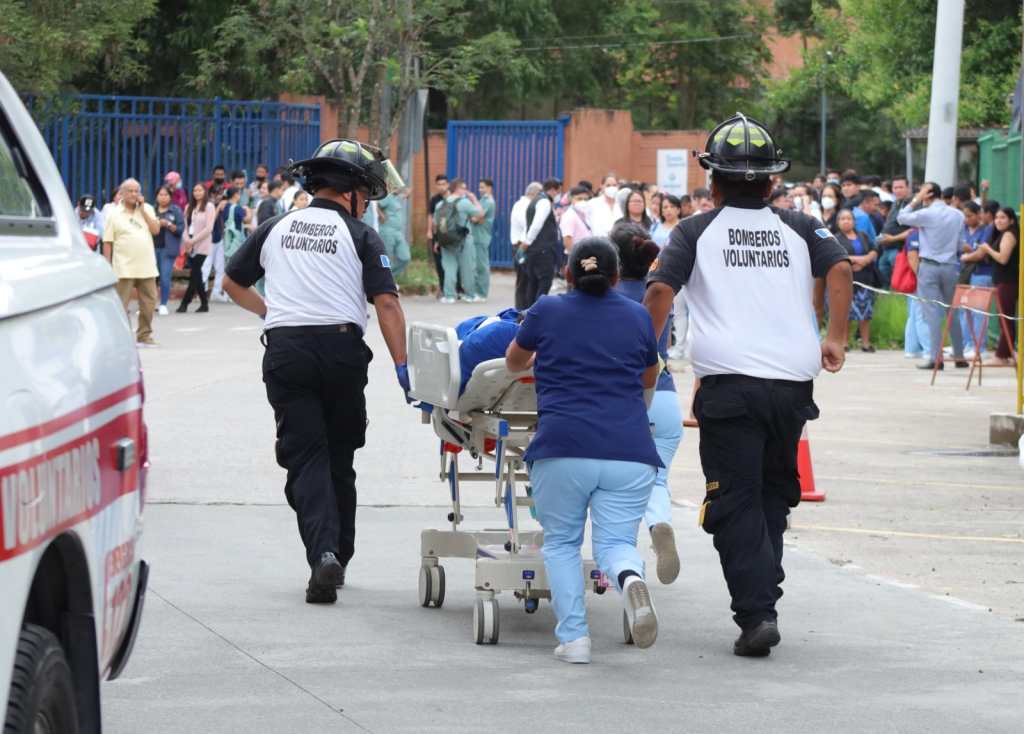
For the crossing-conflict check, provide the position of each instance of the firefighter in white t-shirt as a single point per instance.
(321, 265)
(749, 271)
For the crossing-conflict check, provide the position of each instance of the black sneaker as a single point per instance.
(757, 642)
(203, 309)
(324, 580)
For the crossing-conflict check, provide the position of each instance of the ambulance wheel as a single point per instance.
(486, 621)
(42, 695)
(431, 586)
(627, 632)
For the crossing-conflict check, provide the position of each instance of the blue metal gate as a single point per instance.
(512, 154)
(98, 140)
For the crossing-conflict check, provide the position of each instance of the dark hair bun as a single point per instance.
(635, 247)
(594, 264)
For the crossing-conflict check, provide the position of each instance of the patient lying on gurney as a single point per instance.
(484, 338)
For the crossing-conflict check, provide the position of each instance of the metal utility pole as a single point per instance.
(940, 162)
(824, 107)
(824, 112)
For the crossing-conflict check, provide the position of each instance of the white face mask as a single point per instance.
(611, 191)
(827, 202)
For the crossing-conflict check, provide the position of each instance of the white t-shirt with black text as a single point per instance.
(749, 273)
(321, 266)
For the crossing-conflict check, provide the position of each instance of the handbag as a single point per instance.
(904, 279)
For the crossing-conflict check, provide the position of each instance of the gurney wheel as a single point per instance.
(486, 622)
(431, 586)
(627, 632)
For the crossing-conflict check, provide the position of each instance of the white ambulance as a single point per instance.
(72, 452)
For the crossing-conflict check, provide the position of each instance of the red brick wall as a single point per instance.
(597, 142)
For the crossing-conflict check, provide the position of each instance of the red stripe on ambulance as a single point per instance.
(59, 488)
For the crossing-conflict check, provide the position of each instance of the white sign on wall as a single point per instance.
(672, 170)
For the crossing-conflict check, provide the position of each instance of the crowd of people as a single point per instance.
(198, 229)
(941, 236)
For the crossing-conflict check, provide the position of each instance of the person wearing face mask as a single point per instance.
(830, 198)
(259, 179)
(604, 210)
(322, 265)
(217, 183)
(574, 225)
(178, 195)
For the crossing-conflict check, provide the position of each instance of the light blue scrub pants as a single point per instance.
(916, 339)
(667, 420)
(617, 493)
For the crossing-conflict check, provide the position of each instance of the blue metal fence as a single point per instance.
(98, 140)
(512, 154)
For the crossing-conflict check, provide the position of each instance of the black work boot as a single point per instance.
(757, 642)
(323, 582)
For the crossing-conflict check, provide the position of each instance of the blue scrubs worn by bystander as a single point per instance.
(595, 354)
(636, 253)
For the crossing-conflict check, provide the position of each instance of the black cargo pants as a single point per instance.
(749, 434)
(315, 377)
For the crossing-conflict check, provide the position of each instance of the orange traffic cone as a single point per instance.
(806, 472)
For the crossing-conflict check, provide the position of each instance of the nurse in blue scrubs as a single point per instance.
(594, 352)
(636, 253)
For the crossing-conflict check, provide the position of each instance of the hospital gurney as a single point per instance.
(493, 422)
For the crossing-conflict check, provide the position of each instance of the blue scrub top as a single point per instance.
(591, 355)
(635, 290)
(485, 343)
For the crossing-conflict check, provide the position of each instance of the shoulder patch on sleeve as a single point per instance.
(385, 261)
(823, 233)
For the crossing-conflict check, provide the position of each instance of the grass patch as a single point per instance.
(419, 277)
(888, 322)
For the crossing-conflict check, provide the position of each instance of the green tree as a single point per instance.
(879, 77)
(46, 44)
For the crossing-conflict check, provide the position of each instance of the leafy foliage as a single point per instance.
(46, 44)
(878, 77)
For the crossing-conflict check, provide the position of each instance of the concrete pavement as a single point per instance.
(886, 622)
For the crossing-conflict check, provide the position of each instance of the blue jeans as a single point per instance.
(616, 492)
(165, 257)
(969, 319)
(916, 339)
(667, 420)
(886, 263)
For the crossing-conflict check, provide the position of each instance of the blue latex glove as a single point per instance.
(402, 371)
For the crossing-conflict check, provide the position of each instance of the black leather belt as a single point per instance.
(279, 331)
(730, 379)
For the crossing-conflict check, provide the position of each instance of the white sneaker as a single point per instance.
(663, 538)
(968, 354)
(912, 355)
(447, 301)
(221, 297)
(162, 310)
(481, 299)
(643, 622)
(577, 651)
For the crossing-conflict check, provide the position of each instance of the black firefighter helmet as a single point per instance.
(742, 149)
(344, 165)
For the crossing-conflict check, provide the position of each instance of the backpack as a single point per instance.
(448, 233)
(233, 235)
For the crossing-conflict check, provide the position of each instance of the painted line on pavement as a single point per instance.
(190, 329)
(905, 534)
